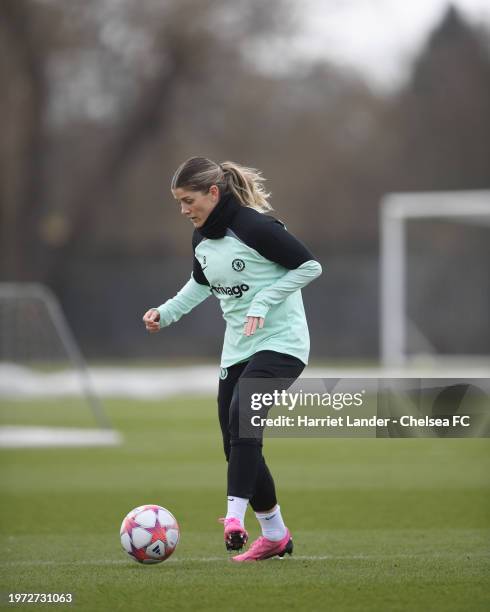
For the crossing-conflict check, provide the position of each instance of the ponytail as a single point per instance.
(247, 185)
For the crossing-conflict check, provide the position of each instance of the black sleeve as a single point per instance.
(272, 240)
(197, 272)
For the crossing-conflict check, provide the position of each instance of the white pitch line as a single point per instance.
(225, 559)
(12, 436)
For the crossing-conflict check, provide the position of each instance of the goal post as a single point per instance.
(44, 380)
(467, 207)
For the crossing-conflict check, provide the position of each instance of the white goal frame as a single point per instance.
(396, 209)
(23, 436)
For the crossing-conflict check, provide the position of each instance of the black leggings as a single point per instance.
(248, 475)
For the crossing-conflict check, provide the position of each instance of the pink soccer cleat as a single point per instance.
(265, 549)
(235, 535)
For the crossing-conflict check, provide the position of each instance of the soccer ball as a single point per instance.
(149, 534)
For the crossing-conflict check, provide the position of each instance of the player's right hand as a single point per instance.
(151, 319)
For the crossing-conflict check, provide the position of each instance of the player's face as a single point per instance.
(196, 205)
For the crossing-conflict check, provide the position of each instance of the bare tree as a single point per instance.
(23, 73)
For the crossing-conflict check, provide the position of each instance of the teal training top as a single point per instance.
(255, 267)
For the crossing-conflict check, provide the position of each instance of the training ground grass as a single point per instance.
(378, 525)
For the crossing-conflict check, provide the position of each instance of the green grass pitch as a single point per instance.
(377, 524)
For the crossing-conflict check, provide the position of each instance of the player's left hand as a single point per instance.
(251, 325)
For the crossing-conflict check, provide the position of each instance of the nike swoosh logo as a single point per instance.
(268, 518)
(231, 499)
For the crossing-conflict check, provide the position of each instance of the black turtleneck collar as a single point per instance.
(220, 217)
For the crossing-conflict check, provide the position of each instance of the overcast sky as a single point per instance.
(379, 37)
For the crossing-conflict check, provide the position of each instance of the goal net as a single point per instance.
(435, 279)
(46, 395)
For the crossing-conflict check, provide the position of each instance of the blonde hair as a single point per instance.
(199, 173)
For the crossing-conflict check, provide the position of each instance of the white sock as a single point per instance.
(237, 506)
(273, 527)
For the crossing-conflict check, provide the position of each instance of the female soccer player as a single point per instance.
(256, 269)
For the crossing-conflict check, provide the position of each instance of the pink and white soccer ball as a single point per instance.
(149, 534)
